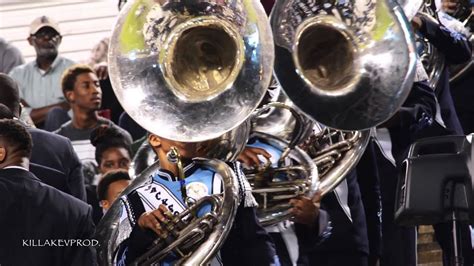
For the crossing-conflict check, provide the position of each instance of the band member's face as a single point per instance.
(87, 94)
(114, 158)
(186, 149)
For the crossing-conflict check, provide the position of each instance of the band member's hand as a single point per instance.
(450, 6)
(153, 220)
(305, 210)
(249, 156)
(101, 70)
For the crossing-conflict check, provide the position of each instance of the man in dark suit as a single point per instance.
(49, 150)
(39, 224)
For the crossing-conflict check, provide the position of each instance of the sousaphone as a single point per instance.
(347, 64)
(188, 71)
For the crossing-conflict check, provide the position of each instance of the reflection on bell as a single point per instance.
(190, 71)
(329, 59)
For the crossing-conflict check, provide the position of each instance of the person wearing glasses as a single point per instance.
(40, 80)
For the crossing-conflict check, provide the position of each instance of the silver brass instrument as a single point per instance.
(465, 15)
(429, 56)
(188, 71)
(213, 59)
(295, 174)
(196, 239)
(334, 153)
(347, 64)
(111, 231)
(273, 187)
(227, 147)
(281, 119)
(432, 60)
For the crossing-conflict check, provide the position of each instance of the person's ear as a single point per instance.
(70, 96)
(104, 204)
(31, 40)
(3, 154)
(60, 39)
(154, 141)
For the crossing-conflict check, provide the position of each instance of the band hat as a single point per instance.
(42, 22)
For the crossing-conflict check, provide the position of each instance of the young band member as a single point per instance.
(147, 209)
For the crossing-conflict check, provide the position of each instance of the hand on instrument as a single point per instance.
(249, 156)
(305, 210)
(155, 220)
(449, 6)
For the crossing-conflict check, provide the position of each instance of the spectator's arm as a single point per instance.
(38, 115)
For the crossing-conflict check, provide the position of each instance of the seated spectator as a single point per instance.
(112, 149)
(81, 88)
(10, 57)
(112, 152)
(56, 116)
(111, 186)
(32, 213)
(39, 80)
(111, 107)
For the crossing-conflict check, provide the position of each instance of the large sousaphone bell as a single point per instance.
(347, 64)
(191, 70)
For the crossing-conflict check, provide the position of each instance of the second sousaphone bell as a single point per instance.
(347, 64)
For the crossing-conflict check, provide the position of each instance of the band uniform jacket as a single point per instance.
(39, 222)
(379, 174)
(348, 243)
(247, 242)
(456, 49)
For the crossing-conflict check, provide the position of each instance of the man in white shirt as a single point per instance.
(39, 80)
